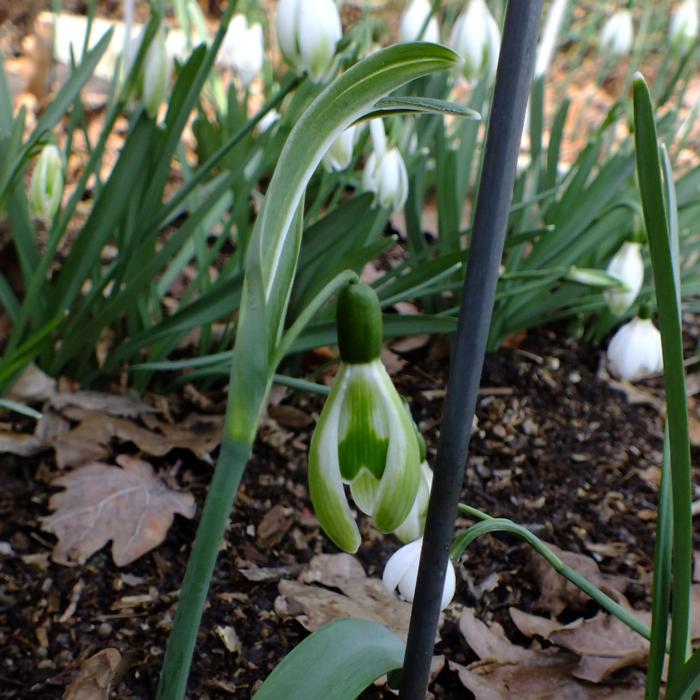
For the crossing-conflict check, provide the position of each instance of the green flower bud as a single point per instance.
(47, 183)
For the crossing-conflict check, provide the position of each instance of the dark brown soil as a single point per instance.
(556, 449)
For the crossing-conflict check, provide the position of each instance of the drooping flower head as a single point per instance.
(635, 352)
(412, 22)
(628, 266)
(243, 49)
(477, 39)
(617, 34)
(46, 189)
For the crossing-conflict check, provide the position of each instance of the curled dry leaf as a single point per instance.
(95, 678)
(130, 506)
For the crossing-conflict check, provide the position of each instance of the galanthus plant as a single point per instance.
(47, 183)
(627, 266)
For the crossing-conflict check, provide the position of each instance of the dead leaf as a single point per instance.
(230, 638)
(361, 597)
(95, 678)
(112, 404)
(289, 416)
(48, 428)
(32, 385)
(274, 526)
(130, 506)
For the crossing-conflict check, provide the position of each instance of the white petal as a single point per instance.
(402, 560)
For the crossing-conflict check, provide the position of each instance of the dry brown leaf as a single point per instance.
(112, 404)
(48, 428)
(95, 678)
(130, 506)
(534, 625)
(361, 597)
(274, 526)
(33, 385)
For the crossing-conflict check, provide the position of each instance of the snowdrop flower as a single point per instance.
(365, 435)
(46, 189)
(157, 67)
(308, 32)
(683, 30)
(635, 350)
(412, 22)
(385, 174)
(339, 155)
(477, 39)
(268, 121)
(243, 49)
(413, 527)
(617, 34)
(548, 43)
(628, 266)
(402, 571)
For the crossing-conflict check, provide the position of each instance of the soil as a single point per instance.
(556, 449)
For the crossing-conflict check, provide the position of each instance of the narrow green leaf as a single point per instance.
(390, 106)
(337, 662)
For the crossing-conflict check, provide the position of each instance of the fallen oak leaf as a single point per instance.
(96, 676)
(130, 506)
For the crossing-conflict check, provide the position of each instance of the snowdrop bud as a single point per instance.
(47, 183)
(243, 49)
(365, 435)
(413, 527)
(548, 43)
(412, 22)
(308, 32)
(268, 121)
(617, 35)
(156, 74)
(683, 30)
(628, 266)
(477, 39)
(339, 155)
(635, 350)
(402, 571)
(386, 176)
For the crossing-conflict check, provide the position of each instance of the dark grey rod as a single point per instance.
(490, 221)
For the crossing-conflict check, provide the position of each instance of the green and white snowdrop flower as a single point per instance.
(634, 352)
(308, 32)
(46, 189)
(412, 22)
(628, 266)
(157, 68)
(477, 39)
(414, 526)
(385, 171)
(683, 29)
(243, 49)
(365, 436)
(401, 571)
(617, 35)
(339, 156)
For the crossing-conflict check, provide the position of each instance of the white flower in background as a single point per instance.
(365, 436)
(339, 155)
(268, 121)
(401, 572)
(617, 34)
(412, 22)
(548, 43)
(413, 527)
(386, 176)
(157, 67)
(477, 39)
(308, 32)
(243, 49)
(47, 183)
(683, 29)
(635, 350)
(628, 266)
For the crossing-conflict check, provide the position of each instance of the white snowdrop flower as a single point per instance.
(635, 350)
(401, 572)
(413, 527)
(157, 67)
(548, 43)
(269, 120)
(617, 34)
(243, 49)
(477, 39)
(308, 32)
(628, 266)
(412, 22)
(46, 188)
(683, 29)
(386, 176)
(339, 156)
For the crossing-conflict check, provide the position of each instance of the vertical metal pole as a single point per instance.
(490, 220)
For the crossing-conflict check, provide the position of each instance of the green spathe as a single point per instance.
(365, 438)
(359, 323)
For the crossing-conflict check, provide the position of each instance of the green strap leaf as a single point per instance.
(391, 106)
(337, 662)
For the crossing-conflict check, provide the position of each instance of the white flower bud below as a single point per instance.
(243, 49)
(628, 266)
(635, 351)
(477, 39)
(617, 34)
(339, 155)
(157, 67)
(683, 29)
(46, 190)
(387, 177)
(401, 572)
(412, 22)
(308, 32)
